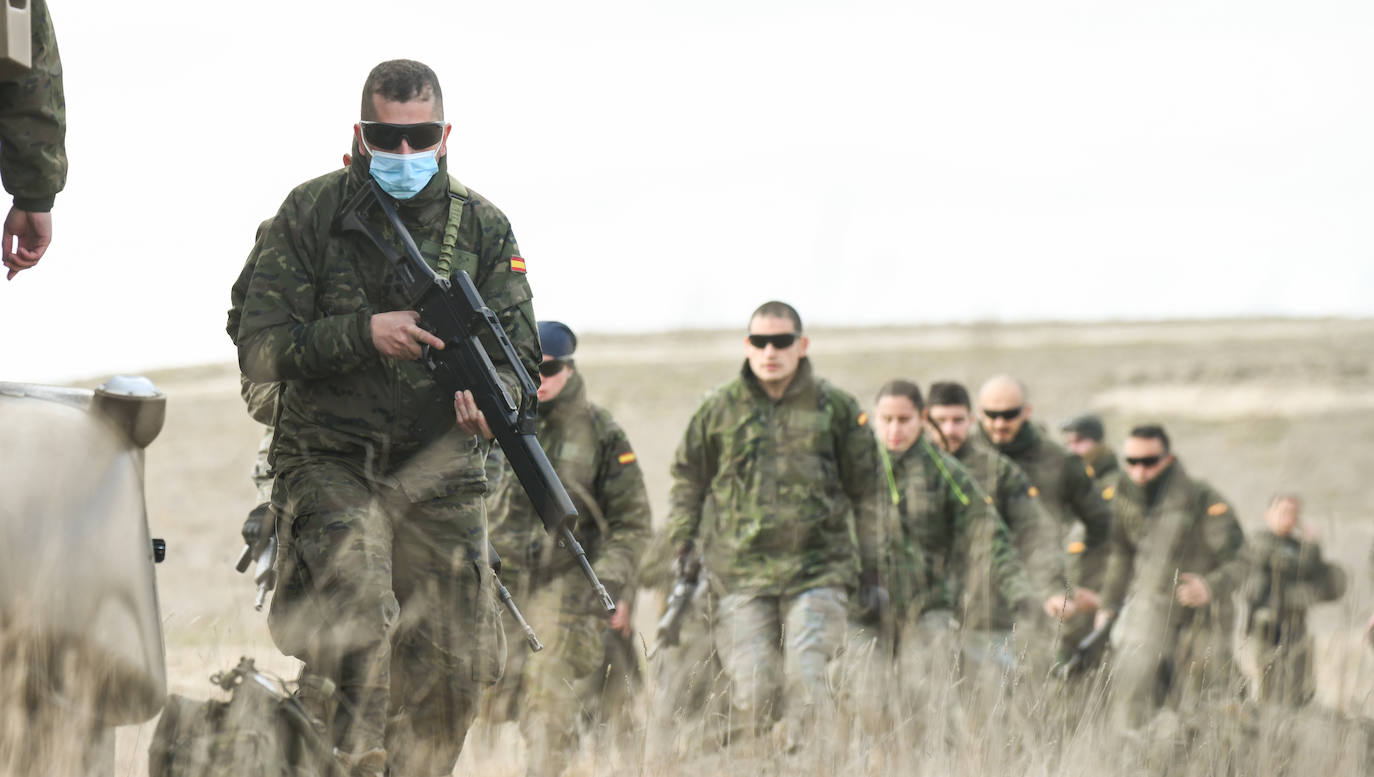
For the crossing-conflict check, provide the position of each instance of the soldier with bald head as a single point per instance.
(1061, 480)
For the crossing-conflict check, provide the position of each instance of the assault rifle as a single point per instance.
(1085, 650)
(455, 313)
(685, 589)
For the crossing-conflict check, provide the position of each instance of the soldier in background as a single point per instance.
(33, 150)
(1287, 576)
(774, 480)
(1176, 559)
(1035, 532)
(593, 458)
(1064, 486)
(1084, 436)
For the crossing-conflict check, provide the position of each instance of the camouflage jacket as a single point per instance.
(306, 321)
(593, 458)
(1172, 526)
(780, 495)
(1286, 577)
(33, 122)
(944, 536)
(1066, 490)
(260, 398)
(1033, 529)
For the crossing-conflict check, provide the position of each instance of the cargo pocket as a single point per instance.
(488, 634)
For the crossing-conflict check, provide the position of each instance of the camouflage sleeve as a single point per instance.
(1087, 503)
(281, 336)
(33, 123)
(694, 465)
(1120, 569)
(624, 502)
(860, 476)
(507, 293)
(1227, 543)
(261, 399)
(985, 534)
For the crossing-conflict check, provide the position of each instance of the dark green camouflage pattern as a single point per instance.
(33, 122)
(780, 495)
(1034, 531)
(586, 448)
(306, 321)
(945, 539)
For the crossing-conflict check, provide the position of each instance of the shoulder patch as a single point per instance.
(1108, 493)
(1088, 468)
(1033, 491)
(1076, 547)
(626, 458)
(987, 499)
(1219, 508)
(517, 264)
(863, 418)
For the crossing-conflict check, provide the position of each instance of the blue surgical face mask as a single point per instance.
(403, 175)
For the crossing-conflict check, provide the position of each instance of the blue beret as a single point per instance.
(556, 339)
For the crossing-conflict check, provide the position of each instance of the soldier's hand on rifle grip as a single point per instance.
(470, 419)
(398, 335)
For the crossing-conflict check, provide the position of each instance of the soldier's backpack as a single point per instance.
(261, 730)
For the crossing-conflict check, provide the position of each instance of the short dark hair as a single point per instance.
(902, 388)
(1151, 432)
(400, 81)
(778, 309)
(948, 392)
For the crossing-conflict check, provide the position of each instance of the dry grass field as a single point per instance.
(1253, 406)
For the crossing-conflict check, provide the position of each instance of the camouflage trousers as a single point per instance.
(393, 603)
(545, 691)
(1162, 654)
(900, 679)
(775, 651)
(686, 679)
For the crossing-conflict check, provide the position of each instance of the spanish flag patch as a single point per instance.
(863, 418)
(626, 458)
(1219, 508)
(517, 264)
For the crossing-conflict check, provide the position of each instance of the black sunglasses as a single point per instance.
(385, 136)
(777, 341)
(1143, 461)
(1005, 415)
(552, 367)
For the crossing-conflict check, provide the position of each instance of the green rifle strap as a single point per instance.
(457, 198)
(891, 479)
(939, 463)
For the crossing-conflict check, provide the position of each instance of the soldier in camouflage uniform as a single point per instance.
(775, 480)
(1287, 576)
(1083, 435)
(33, 150)
(1034, 531)
(1176, 559)
(1065, 489)
(385, 590)
(593, 458)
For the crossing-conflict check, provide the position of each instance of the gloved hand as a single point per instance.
(259, 526)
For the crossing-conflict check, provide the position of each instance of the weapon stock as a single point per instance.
(685, 589)
(455, 313)
(1084, 649)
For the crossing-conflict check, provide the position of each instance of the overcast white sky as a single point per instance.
(672, 165)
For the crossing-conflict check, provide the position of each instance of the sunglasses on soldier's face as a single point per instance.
(1006, 415)
(777, 341)
(381, 135)
(552, 367)
(1143, 461)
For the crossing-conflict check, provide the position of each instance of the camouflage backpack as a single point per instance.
(261, 730)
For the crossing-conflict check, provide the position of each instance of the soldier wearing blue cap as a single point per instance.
(593, 458)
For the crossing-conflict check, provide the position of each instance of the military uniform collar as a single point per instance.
(574, 393)
(1024, 440)
(801, 381)
(434, 194)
